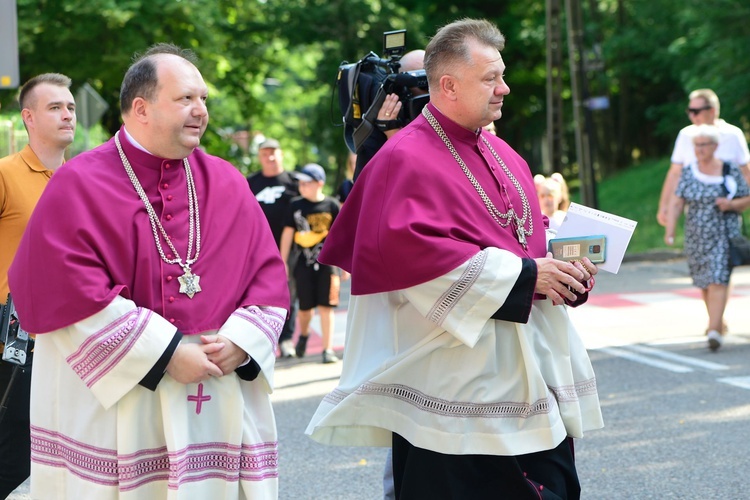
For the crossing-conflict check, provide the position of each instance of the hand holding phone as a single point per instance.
(576, 248)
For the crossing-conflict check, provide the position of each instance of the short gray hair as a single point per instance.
(449, 45)
(708, 131)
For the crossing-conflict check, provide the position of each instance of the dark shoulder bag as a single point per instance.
(739, 246)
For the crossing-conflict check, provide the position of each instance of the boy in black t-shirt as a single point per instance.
(306, 226)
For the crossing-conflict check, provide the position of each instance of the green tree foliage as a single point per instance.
(712, 53)
(336, 31)
(271, 66)
(657, 52)
(93, 40)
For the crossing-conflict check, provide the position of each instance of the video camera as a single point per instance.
(363, 86)
(17, 343)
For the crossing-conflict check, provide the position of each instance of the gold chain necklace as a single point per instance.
(189, 282)
(502, 219)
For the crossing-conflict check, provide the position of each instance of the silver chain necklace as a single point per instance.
(189, 282)
(503, 219)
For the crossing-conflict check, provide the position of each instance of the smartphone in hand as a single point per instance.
(594, 247)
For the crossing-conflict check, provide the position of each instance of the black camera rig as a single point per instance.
(363, 86)
(17, 343)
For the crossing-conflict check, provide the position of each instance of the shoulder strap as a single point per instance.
(363, 131)
(725, 173)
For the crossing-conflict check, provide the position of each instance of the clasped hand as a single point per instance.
(560, 280)
(214, 357)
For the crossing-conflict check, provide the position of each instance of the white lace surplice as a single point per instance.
(430, 364)
(127, 442)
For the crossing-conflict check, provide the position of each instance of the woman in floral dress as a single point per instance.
(713, 201)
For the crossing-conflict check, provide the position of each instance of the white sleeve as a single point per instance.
(113, 350)
(743, 154)
(463, 301)
(256, 330)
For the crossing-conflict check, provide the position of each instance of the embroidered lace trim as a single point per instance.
(462, 409)
(450, 298)
(423, 402)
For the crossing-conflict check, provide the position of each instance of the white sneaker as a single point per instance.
(287, 349)
(330, 357)
(714, 340)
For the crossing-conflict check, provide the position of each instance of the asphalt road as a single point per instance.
(677, 416)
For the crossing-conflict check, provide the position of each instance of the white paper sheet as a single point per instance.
(584, 221)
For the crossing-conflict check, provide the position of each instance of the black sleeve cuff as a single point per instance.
(517, 307)
(154, 376)
(249, 371)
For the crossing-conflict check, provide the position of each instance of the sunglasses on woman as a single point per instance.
(695, 111)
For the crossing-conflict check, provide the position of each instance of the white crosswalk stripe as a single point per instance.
(699, 363)
(741, 382)
(639, 358)
(662, 359)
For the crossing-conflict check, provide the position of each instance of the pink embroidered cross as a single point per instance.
(199, 399)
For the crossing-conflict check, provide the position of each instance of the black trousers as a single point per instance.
(421, 474)
(15, 444)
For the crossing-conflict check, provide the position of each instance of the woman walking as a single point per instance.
(714, 193)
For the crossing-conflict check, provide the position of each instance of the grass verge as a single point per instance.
(634, 193)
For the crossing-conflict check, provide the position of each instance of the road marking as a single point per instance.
(651, 356)
(741, 382)
(652, 297)
(639, 299)
(664, 365)
(706, 365)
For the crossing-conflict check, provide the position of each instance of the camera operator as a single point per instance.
(388, 123)
(388, 113)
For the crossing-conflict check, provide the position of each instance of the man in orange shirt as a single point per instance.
(49, 115)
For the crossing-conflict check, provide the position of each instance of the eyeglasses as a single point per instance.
(703, 144)
(695, 111)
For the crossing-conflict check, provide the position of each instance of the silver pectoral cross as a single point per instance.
(189, 283)
(520, 234)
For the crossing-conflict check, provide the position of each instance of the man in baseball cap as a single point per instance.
(274, 188)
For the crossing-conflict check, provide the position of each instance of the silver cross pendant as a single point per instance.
(521, 235)
(189, 283)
